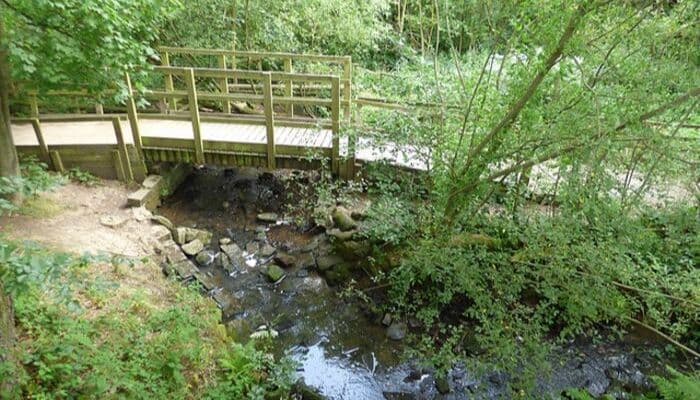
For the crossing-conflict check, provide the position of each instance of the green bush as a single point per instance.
(34, 178)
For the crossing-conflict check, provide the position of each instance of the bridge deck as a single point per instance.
(102, 132)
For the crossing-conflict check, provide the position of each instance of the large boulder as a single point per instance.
(343, 220)
(274, 272)
(193, 247)
(198, 234)
(353, 250)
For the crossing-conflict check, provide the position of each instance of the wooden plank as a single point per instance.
(223, 83)
(43, 148)
(269, 122)
(194, 111)
(251, 54)
(335, 121)
(118, 165)
(121, 144)
(56, 161)
(288, 86)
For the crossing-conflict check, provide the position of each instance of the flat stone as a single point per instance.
(224, 241)
(328, 261)
(386, 321)
(143, 197)
(198, 234)
(159, 219)
(396, 331)
(161, 233)
(113, 221)
(141, 214)
(180, 235)
(274, 272)
(193, 247)
(152, 181)
(173, 253)
(185, 269)
(232, 250)
(207, 281)
(267, 250)
(267, 217)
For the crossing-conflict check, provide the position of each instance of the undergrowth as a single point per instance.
(34, 178)
(91, 327)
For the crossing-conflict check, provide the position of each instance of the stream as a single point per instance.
(341, 350)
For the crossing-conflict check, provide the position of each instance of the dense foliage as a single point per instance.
(90, 329)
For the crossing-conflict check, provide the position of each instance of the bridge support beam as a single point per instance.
(132, 114)
(124, 156)
(194, 112)
(269, 121)
(335, 125)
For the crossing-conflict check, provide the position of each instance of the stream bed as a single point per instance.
(342, 351)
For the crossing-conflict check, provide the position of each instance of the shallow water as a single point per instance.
(342, 352)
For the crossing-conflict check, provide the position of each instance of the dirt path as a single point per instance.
(79, 224)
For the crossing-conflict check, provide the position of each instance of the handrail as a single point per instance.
(256, 55)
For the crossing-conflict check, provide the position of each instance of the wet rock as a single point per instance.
(205, 257)
(386, 321)
(274, 272)
(185, 269)
(396, 331)
(328, 261)
(285, 260)
(223, 261)
(252, 248)
(343, 220)
(224, 241)
(340, 235)
(305, 260)
(180, 235)
(261, 236)
(232, 250)
(192, 234)
(193, 247)
(303, 273)
(442, 384)
(267, 217)
(225, 205)
(161, 233)
(260, 228)
(113, 221)
(353, 249)
(267, 250)
(159, 219)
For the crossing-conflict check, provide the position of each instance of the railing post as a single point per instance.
(99, 109)
(132, 114)
(121, 144)
(347, 89)
(269, 120)
(43, 148)
(288, 92)
(169, 86)
(335, 124)
(34, 105)
(194, 112)
(224, 83)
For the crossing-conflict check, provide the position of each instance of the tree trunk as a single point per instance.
(7, 341)
(9, 164)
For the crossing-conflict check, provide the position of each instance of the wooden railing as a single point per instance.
(230, 59)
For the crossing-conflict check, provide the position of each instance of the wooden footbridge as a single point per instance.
(202, 107)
